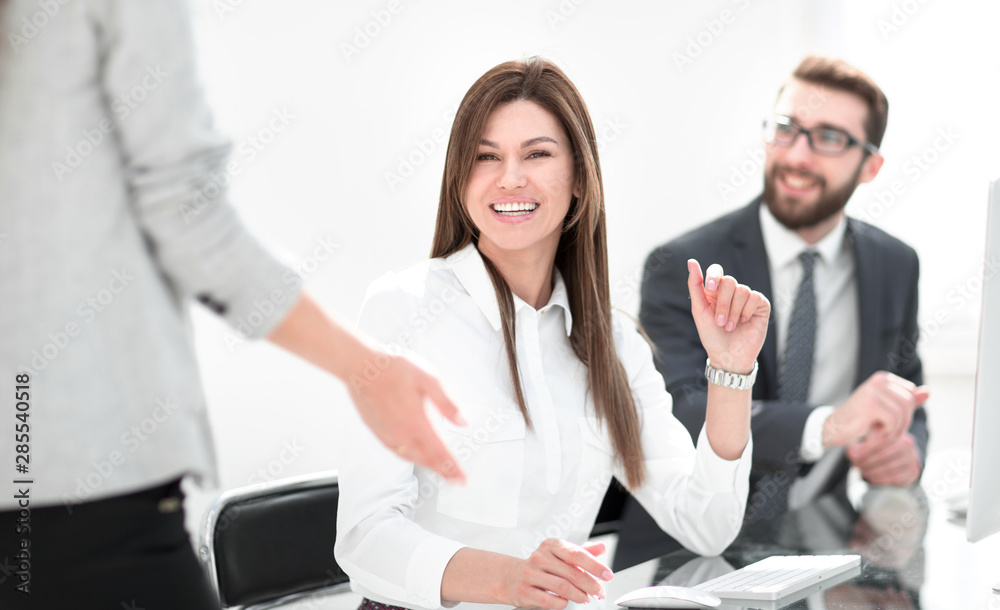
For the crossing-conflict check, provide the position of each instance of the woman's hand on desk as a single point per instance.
(557, 572)
(731, 318)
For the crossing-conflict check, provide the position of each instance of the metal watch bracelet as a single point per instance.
(729, 380)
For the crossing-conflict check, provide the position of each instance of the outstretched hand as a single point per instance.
(391, 402)
(731, 318)
(392, 405)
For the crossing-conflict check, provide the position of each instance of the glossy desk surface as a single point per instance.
(912, 557)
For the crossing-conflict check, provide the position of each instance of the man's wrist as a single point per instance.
(812, 447)
(834, 433)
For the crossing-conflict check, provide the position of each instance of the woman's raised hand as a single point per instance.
(731, 318)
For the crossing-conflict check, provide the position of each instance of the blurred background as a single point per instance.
(340, 112)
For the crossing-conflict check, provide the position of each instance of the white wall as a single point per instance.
(677, 90)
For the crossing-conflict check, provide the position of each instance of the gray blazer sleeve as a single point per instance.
(177, 168)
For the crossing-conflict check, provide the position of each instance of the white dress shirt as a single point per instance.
(399, 525)
(838, 340)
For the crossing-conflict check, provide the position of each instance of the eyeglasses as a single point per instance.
(783, 131)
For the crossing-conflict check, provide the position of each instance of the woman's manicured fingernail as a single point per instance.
(607, 575)
(730, 326)
(710, 284)
(720, 320)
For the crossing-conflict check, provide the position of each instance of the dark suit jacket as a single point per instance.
(886, 272)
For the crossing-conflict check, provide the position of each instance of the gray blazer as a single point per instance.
(113, 216)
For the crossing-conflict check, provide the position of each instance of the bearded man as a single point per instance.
(839, 380)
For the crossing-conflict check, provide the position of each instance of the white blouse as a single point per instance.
(399, 525)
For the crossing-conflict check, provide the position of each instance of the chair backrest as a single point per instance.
(609, 517)
(271, 544)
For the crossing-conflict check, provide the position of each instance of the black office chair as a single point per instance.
(272, 544)
(609, 517)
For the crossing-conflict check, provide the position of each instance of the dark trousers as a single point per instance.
(127, 552)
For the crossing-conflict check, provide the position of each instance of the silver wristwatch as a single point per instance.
(729, 380)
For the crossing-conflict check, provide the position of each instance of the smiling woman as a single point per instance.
(540, 158)
(513, 176)
(560, 393)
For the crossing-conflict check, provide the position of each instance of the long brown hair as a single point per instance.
(581, 257)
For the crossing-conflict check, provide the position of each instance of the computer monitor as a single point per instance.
(983, 517)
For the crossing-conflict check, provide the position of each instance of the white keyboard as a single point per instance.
(779, 576)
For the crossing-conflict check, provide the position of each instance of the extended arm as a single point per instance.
(178, 167)
(388, 391)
